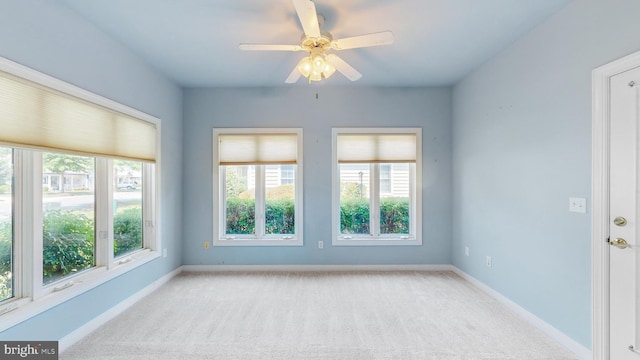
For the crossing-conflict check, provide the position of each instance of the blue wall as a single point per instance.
(522, 147)
(49, 38)
(427, 108)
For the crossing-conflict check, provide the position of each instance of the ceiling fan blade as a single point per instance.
(306, 10)
(375, 39)
(294, 76)
(269, 47)
(346, 69)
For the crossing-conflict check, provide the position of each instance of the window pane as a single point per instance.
(68, 215)
(394, 203)
(127, 207)
(280, 199)
(6, 223)
(240, 188)
(354, 198)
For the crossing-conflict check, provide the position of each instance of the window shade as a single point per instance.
(242, 149)
(37, 117)
(376, 148)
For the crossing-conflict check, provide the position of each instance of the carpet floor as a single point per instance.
(317, 315)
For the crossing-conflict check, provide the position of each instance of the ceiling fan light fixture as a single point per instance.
(305, 66)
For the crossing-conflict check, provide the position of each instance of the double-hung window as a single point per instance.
(377, 186)
(257, 186)
(77, 191)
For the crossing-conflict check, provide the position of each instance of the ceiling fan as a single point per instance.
(320, 65)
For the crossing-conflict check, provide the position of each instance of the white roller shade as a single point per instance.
(376, 148)
(37, 117)
(242, 149)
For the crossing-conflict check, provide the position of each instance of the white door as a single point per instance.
(624, 307)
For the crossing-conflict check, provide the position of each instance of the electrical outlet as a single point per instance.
(321, 244)
(466, 251)
(206, 245)
(164, 252)
(488, 261)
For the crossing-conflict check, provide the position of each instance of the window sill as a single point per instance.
(18, 310)
(382, 241)
(258, 242)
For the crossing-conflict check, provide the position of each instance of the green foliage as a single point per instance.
(127, 231)
(352, 190)
(280, 216)
(241, 216)
(5, 260)
(68, 244)
(354, 216)
(234, 183)
(394, 216)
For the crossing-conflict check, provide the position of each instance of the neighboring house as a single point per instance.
(73, 181)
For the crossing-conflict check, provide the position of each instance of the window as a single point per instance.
(259, 185)
(77, 191)
(6, 224)
(377, 186)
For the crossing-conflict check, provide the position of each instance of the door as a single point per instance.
(624, 249)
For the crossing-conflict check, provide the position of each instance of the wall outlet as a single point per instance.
(488, 261)
(206, 245)
(320, 244)
(466, 251)
(164, 252)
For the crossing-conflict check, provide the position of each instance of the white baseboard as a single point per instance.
(75, 336)
(575, 347)
(301, 268)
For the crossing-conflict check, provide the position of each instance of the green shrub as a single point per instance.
(127, 231)
(354, 216)
(280, 216)
(241, 216)
(394, 216)
(68, 244)
(5, 260)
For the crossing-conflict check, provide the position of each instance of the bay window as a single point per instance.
(77, 191)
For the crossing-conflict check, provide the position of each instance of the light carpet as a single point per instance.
(317, 315)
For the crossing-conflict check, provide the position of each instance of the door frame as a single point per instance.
(600, 145)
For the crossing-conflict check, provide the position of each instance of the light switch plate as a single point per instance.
(578, 205)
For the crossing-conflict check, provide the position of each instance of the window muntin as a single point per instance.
(376, 191)
(258, 197)
(127, 207)
(6, 224)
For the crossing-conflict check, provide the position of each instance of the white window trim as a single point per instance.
(415, 192)
(30, 297)
(219, 236)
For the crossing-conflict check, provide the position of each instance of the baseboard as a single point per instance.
(564, 340)
(302, 268)
(75, 336)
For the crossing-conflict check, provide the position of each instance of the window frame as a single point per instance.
(31, 296)
(415, 195)
(220, 238)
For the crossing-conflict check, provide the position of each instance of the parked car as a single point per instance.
(128, 185)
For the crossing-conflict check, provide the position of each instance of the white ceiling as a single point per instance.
(195, 42)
